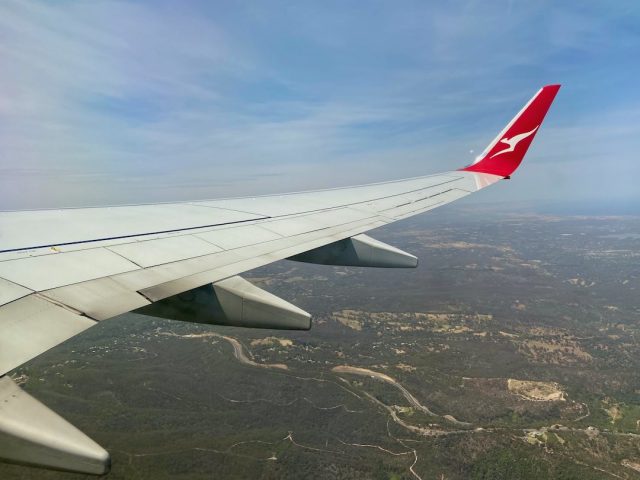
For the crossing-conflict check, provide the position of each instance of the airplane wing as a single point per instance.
(62, 271)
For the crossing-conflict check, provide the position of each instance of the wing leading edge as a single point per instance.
(61, 271)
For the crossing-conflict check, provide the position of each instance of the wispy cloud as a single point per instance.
(108, 102)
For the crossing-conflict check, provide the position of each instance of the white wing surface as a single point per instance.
(63, 270)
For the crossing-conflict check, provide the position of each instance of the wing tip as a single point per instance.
(511, 145)
(554, 87)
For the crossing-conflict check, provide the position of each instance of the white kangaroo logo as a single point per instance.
(513, 141)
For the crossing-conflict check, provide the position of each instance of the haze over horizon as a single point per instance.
(128, 102)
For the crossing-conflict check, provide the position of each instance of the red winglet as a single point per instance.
(507, 150)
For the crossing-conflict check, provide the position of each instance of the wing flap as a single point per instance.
(32, 325)
(99, 299)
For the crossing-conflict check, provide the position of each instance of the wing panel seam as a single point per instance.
(106, 239)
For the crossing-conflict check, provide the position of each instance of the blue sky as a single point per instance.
(107, 102)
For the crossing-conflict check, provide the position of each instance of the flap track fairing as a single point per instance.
(233, 301)
(33, 434)
(358, 251)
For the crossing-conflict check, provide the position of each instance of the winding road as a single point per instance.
(393, 382)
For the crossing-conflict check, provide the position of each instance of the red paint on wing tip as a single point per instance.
(505, 153)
